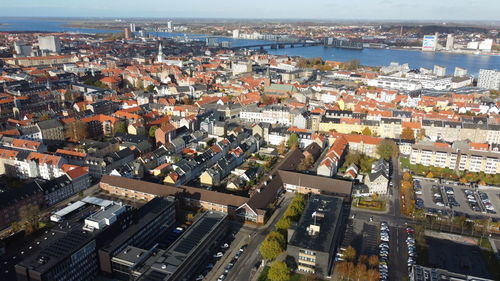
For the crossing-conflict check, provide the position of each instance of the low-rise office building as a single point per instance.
(314, 240)
(179, 260)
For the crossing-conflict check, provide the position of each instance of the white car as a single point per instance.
(222, 277)
(218, 255)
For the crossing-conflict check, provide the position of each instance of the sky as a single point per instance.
(274, 9)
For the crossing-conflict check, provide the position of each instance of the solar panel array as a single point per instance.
(195, 236)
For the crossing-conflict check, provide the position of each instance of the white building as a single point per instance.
(239, 67)
(486, 45)
(459, 72)
(439, 70)
(430, 42)
(49, 43)
(22, 49)
(236, 33)
(132, 27)
(489, 79)
(449, 42)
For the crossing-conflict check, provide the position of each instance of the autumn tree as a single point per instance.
(373, 261)
(152, 131)
(387, 148)
(341, 269)
(372, 275)
(366, 132)
(139, 85)
(278, 271)
(76, 131)
(351, 65)
(408, 134)
(360, 272)
(272, 246)
(350, 254)
(281, 148)
(306, 163)
(363, 259)
(293, 141)
(350, 270)
(421, 134)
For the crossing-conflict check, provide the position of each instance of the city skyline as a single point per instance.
(318, 9)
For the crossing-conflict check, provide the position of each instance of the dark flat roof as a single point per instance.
(331, 207)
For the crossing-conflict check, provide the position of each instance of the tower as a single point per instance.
(160, 58)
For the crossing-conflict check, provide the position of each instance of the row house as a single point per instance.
(38, 165)
(270, 114)
(329, 164)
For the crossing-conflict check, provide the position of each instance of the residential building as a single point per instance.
(49, 43)
(489, 79)
(445, 156)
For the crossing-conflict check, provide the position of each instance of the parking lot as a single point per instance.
(442, 198)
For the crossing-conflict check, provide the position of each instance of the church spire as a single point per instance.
(160, 54)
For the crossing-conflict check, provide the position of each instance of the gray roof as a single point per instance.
(49, 124)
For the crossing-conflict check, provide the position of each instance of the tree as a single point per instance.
(360, 272)
(71, 95)
(366, 132)
(278, 271)
(306, 163)
(293, 141)
(353, 157)
(408, 134)
(30, 216)
(350, 254)
(363, 259)
(282, 148)
(139, 85)
(150, 88)
(350, 270)
(373, 261)
(283, 224)
(43, 117)
(152, 131)
(120, 127)
(421, 134)
(341, 269)
(272, 246)
(387, 148)
(76, 131)
(351, 65)
(372, 275)
(430, 175)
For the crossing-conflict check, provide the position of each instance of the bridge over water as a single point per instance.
(278, 45)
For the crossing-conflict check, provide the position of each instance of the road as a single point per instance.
(246, 264)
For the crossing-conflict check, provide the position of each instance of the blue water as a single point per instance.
(371, 57)
(382, 57)
(234, 42)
